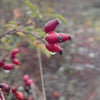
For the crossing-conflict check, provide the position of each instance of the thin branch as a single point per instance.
(19, 30)
(28, 32)
(7, 32)
(41, 73)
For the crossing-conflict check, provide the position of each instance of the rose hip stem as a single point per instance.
(41, 73)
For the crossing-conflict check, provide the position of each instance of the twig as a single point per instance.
(26, 32)
(7, 32)
(16, 30)
(1, 95)
(41, 73)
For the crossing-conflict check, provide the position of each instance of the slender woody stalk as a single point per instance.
(41, 73)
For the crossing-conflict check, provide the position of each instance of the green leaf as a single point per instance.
(13, 23)
(34, 9)
(59, 17)
(45, 51)
(29, 28)
(9, 26)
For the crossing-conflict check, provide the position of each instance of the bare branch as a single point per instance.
(7, 32)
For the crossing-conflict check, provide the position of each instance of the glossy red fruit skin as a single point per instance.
(8, 66)
(2, 63)
(52, 37)
(51, 26)
(19, 95)
(13, 89)
(25, 77)
(64, 37)
(15, 51)
(16, 61)
(53, 47)
(29, 82)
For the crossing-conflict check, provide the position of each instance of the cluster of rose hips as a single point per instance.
(15, 61)
(53, 39)
(19, 95)
(6, 88)
(28, 81)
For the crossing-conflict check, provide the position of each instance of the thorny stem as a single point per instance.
(1, 95)
(41, 73)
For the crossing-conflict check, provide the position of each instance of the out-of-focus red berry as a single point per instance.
(14, 52)
(2, 63)
(56, 94)
(13, 56)
(13, 89)
(8, 66)
(29, 82)
(25, 77)
(16, 61)
(19, 95)
(5, 87)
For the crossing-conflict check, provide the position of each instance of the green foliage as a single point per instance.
(44, 13)
(38, 14)
(35, 11)
(59, 17)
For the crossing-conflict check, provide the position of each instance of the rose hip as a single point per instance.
(26, 77)
(19, 95)
(16, 61)
(8, 66)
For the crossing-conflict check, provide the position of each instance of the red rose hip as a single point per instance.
(51, 26)
(8, 66)
(14, 89)
(2, 63)
(15, 51)
(25, 77)
(19, 95)
(64, 37)
(16, 61)
(52, 38)
(29, 82)
(5, 87)
(56, 94)
(53, 47)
